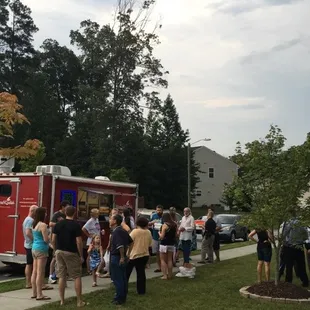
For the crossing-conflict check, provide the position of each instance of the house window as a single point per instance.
(5, 190)
(211, 173)
(198, 193)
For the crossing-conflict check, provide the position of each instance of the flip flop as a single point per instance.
(83, 304)
(43, 298)
(47, 288)
(94, 284)
(33, 297)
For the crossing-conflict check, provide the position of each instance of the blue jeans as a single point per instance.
(186, 245)
(119, 278)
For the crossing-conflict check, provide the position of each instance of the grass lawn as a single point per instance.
(12, 285)
(215, 287)
(20, 283)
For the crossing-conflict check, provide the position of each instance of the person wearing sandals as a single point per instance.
(67, 241)
(40, 249)
(28, 239)
(95, 253)
(167, 236)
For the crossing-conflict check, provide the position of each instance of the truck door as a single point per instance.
(9, 202)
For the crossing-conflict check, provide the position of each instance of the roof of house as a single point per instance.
(195, 148)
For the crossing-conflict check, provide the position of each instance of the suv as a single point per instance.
(231, 230)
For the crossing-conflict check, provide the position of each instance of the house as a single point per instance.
(216, 170)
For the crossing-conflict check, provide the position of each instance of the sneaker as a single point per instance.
(52, 280)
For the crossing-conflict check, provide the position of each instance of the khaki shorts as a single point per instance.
(39, 254)
(68, 263)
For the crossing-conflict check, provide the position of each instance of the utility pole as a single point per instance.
(189, 189)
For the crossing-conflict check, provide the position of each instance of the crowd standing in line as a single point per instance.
(129, 245)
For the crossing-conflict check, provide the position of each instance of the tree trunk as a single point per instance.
(277, 273)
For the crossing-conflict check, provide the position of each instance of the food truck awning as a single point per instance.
(105, 192)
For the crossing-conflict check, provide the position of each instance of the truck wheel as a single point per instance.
(233, 237)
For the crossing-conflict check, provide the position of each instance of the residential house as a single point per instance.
(216, 170)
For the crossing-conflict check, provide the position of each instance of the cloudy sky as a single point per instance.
(236, 66)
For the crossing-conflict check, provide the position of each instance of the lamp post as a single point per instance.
(189, 188)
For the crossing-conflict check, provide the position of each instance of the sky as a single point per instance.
(236, 66)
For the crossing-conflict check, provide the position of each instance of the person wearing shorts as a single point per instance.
(67, 240)
(57, 216)
(264, 252)
(156, 218)
(28, 239)
(167, 235)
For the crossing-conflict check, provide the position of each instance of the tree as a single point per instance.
(30, 164)
(167, 180)
(16, 51)
(119, 69)
(10, 116)
(271, 184)
(119, 175)
(50, 97)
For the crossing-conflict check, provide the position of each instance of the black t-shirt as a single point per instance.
(263, 239)
(119, 239)
(57, 217)
(67, 231)
(210, 227)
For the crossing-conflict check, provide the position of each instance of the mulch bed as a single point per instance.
(282, 290)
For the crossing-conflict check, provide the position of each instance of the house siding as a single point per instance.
(212, 188)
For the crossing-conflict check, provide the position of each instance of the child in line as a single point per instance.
(96, 261)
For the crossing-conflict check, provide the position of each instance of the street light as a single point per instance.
(189, 190)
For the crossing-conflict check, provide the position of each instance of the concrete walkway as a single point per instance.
(21, 299)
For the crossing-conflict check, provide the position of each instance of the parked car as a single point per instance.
(147, 213)
(200, 224)
(231, 230)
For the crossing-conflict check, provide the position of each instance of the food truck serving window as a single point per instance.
(89, 199)
(5, 190)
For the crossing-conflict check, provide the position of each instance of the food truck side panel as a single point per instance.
(17, 194)
(85, 196)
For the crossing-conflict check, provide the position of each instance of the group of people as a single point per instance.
(65, 241)
(295, 243)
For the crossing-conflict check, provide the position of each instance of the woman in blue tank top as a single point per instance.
(40, 247)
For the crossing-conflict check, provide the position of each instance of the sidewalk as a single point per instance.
(21, 299)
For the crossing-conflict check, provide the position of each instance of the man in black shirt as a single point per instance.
(208, 239)
(67, 241)
(57, 216)
(120, 241)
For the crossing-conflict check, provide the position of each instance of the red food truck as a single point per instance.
(47, 187)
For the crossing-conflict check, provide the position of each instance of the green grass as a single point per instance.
(20, 283)
(215, 287)
(12, 285)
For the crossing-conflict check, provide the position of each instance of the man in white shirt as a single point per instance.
(186, 231)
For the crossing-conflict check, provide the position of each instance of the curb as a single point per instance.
(244, 293)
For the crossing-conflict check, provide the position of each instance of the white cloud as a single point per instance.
(235, 65)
